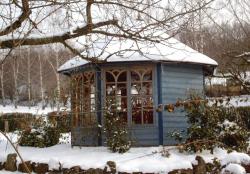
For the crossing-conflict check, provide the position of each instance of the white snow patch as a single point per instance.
(233, 169)
(236, 101)
(235, 157)
(54, 164)
(35, 110)
(73, 63)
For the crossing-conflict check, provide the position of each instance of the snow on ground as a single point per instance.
(236, 101)
(35, 110)
(143, 159)
(234, 169)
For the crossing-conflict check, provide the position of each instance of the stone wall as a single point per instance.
(41, 168)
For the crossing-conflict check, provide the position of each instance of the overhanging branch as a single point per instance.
(25, 14)
(12, 43)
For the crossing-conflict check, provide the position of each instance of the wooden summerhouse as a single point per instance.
(139, 83)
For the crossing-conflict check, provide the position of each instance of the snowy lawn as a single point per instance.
(35, 110)
(235, 101)
(143, 159)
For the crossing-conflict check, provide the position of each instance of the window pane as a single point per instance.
(122, 77)
(122, 89)
(147, 102)
(135, 88)
(135, 76)
(110, 89)
(146, 88)
(136, 117)
(121, 103)
(148, 117)
(136, 102)
(109, 77)
(147, 76)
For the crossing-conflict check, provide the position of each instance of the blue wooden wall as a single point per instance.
(178, 81)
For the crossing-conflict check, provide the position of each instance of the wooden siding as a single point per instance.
(178, 82)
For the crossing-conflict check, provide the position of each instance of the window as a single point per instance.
(83, 99)
(116, 91)
(139, 90)
(141, 96)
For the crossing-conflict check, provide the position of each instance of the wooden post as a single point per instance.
(6, 126)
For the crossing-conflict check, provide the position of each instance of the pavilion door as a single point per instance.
(84, 123)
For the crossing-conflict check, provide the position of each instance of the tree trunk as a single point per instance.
(29, 77)
(58, 84)
(41, 81)
(15, 75)
(2, 84)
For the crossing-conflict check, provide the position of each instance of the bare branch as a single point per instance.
(25, 14)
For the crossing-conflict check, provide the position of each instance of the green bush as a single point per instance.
(40, 137)
(244, 112)
(215, 126)
(115, 129)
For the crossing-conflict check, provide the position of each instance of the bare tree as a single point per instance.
(2, 84)
(232, 40)
(15, 77)
(41, 81)
(139, 20)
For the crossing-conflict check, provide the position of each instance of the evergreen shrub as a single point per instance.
(115, 128)
(45, 136)
(215, 126)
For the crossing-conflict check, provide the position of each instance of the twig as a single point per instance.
(19, 155)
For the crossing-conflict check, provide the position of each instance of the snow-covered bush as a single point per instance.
(16, 121)
(115, 129)
(215, 126)
(44, 136)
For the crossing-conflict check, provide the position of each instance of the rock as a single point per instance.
(54, 172)
(201, 167)
(40, 168)
(94, 171)
(123, 173)
(23, 169)
(2, 165)
(181, 171)
(247, 167)
(66, 171)
(10, 164)
(75, 169)
(110, 167)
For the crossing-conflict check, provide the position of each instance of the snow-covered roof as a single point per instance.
(171, 50)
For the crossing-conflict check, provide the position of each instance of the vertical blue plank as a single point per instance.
(159, 90)
(99, 103)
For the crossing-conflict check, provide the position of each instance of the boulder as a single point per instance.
(2, 165)
(94, 171)
(110, 167)
(75, 169)
(10, 164)
(40, 168)
(200, 168)
(23, 169)
(181, 171)
(247, 167)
